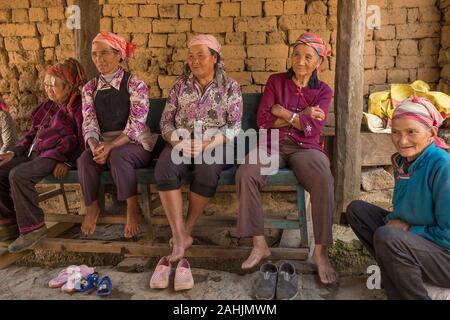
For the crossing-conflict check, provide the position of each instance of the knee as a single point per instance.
(163, 174)
(16, 175)
(116, 158)
(354, 211)
(386, 236)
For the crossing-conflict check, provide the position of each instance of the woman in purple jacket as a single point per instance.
(52, 145)
(296, 103)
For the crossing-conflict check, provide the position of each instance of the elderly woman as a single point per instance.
(50, 146)
(412, 243)
(206, 99)
(8, 131)
(295, 103)
(115, 109)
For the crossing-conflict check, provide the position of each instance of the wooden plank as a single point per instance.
(50, 194)
(211, 221)
(90, 26)
(7, 259)
(348, 100)
(376, 149)
(156, 250)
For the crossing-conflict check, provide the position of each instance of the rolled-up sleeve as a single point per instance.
(91, 128)
(167, 122)
(139, 107)
(265, 118)
(234, 112)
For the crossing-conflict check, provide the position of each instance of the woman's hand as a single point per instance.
(399, 224)
(6, 157)
(61, 170)
(315, 113)
(101, 153)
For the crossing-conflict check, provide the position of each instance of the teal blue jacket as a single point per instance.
(422, 196)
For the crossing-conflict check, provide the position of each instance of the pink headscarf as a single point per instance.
(125, 48)
(422, 110)
(206, 39)
(3, 105)
(315, 42)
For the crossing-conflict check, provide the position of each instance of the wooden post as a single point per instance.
(349, 101)
(90, 26)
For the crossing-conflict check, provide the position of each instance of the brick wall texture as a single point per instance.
(412, 43)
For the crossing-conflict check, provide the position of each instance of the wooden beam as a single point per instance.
(152, 250)
(7, 259)
(348, 99)
(270, 222)
(90, 26)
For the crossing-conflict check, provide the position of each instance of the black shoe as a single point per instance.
(287, 284)
(267, 282)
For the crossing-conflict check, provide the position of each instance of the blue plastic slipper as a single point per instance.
(89, 283)
(104, 286)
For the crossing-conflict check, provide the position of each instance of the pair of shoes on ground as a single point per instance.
(277, 282)
(183, 275)
(93, 282)
(23, 241)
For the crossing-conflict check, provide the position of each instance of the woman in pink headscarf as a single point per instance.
(205, 100)
(115, 108)
(8, 131)
(412, 243)
(296, 104)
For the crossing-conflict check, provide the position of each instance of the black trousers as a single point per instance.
(405, 259)
(18, 196)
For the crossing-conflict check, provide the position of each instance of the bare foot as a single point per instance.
(327, 274)
(257, 254)
(178, 247)
(133, 225)
(188, 245)
(90, 220)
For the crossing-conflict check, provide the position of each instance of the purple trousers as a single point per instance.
(312, 170)
(122, 162)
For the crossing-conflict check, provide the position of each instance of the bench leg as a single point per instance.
(63, 200)
(301, 207)
(101, 199)
(147, 209)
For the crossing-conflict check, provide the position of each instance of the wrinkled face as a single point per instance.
(304, 60)
(105, 58)
(201, 61)
(56, 89)
(410, 137)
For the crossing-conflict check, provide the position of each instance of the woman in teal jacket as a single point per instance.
(412, 243)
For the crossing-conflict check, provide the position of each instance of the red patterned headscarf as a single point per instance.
(315, 42)
(125, 48)
(3, 105)
(72, 72)
(421, 110)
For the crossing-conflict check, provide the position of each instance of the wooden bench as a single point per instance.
(150, 201)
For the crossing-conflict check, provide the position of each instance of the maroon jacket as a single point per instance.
(280, 89)
(55, 133)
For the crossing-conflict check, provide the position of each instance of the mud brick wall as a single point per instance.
(411, 44)
(444, 53)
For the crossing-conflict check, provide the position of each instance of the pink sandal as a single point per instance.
(183, 276)
(160, 277)
(64, 275)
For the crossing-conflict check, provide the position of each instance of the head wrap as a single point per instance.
(421, 110)
(206, 39)
(3, 105)
(314, 41)
(71, 72)
(125, 48)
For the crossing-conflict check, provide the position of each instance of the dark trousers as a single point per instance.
(205, 177)
(405, 259)
(312, 170)
(122, 162)
(19, 202)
